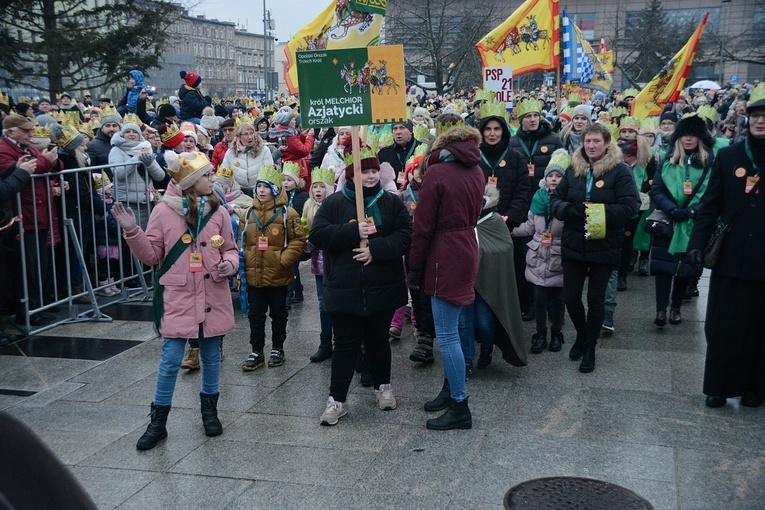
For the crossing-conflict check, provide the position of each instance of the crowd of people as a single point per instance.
(474, 220)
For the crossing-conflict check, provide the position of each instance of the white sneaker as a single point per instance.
(385, 399)
(333, 412)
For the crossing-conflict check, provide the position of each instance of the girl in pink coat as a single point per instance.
(190, 237)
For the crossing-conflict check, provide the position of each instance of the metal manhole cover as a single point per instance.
(565, 492)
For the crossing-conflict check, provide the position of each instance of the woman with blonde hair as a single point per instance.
(246, 155)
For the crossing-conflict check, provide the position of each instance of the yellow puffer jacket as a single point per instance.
(272, 267)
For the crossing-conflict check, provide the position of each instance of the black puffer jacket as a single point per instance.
(98, 150)
(546, 142)
(350, 287)
(192, 103)
(512, 177)
(613, 186)
(397, 155)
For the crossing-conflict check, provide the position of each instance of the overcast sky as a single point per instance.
(289, 15)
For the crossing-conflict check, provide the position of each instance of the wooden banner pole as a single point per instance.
(358, 188)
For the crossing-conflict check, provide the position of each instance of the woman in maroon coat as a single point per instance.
(444, 246)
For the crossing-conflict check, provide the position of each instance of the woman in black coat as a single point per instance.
(362, 286)
(598, 175)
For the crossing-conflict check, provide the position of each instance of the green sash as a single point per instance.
(673, 177)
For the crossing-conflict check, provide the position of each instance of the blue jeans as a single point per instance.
(170, 363)
(446, 317)
(324, 317)
(476, 319)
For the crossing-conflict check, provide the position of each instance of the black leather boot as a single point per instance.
(588, 358)
(442, 400)
(325, 350)
(538, 342)
(210, 414)
(156, 431)
(456, 417)
(556, 341)
(576, 350)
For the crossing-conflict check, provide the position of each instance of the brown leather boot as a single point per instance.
(191, 361)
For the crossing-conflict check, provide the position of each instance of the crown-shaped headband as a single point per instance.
(171, 132)
(492, 109)
(366, 153)
(757, 96)
(323, 174)
(484, 95)
(649, 125)
(132, 118)
(224, 172)
(41, 131)
(243, 120)
(618, 112)
(630, 92)
(109, 110)
(707, 112)
(630, 123)
(526, 106)
(442, 127)
(101, 180)
(270, 174)
(574, 99)
(421, 132)
(385, 140)
(190, 169)
(5, 99)
(373, 142)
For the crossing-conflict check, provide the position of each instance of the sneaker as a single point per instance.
(253, 362)
(608, 322)
(333, 412)
(385, 399)
(395, 333)
(277, 358)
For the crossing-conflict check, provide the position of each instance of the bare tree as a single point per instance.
(439, 39)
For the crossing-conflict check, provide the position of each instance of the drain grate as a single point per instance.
(572, 493)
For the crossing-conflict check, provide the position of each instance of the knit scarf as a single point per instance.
(371, 196)
(673, 177)
(540, 203)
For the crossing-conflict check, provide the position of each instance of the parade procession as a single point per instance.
(420, 254)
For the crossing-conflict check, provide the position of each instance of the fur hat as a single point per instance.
(692, 125)
(191, 78)
(166, 111)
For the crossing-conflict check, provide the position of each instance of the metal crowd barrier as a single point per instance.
(69, 278)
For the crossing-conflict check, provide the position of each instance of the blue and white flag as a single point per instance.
(580, 64)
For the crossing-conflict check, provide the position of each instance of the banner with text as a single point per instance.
(500, 81)
(352, 86)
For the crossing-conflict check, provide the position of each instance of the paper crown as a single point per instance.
(109, 111)
(162, 101)
(560, 158)
(604, 115)
(492, 109)
(243, 120)
(366, 153)
(5, 99)
(323, 174)
(649, 125)
(707, 112)
(618, 112)
(58, 115)
(613, 129)
(373, 142)
(171, 132)
(385, 140)
(68, 136)
(132, 118)
(94, 122)
(101, 180)
(528, 105)
(72, 119)
(484, 95)
(224, 172)
(268, 110)
(442, 127)
(41, 131)
(574, 99)
(188, 167)
(87, 129)
(421, 132)
(292, 168)
(271, 175)
(630, 93)
(630, 123)
(756, 97)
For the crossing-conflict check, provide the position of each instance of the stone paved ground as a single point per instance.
(638, 421)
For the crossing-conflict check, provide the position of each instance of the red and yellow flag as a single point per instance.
(527, 40)
(352, 24)
(667, 85)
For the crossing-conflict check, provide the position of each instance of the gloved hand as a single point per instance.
(413, 278)
(124, 217)
(695, 259)
(679, 214)
(575, 212)
(146, 158)
(226, 268)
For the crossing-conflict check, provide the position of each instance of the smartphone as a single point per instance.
(51, 146)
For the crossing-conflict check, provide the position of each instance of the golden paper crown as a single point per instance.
(649, 125)
(224, 172)
(5, 99)
(250, 103)
(484, 95)
(171, 132)
(757, 97)
(526, 106)
(268, 109)
(366, 153)
(41, 131)
(109, 110)
(385, 140)
(162, 101)
(101, 180)
(22, 99)
(94, 122)
(430, 107)
(492, 109)
(132, 118)
(68, 136)
(630, 123)
(442, 127)
(86, 129)
(604, 115)
(373, 142)
(188, 166)
(421, 132)
(58, 115)
(271, 174)
(243, 120)
(323, 174)
(619, 111)
(707, 112)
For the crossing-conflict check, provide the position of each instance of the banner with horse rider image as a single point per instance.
(352, 87)
(343, 24)
(527, 40)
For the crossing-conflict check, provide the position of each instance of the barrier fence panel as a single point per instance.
(70, 258)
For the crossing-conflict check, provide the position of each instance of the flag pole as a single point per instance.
(358, 189)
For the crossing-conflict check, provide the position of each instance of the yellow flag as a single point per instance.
(353, 24)
(607, 59)
(667, 85)
(527, 40)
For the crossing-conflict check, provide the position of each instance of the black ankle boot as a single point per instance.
(156, 431)
(576, 350)
(210, 414)
(556, 341)
(325, 350)
(538, 342)
(456, 417)
(442, 400)
(588, 359)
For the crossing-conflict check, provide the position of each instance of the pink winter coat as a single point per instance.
(543, 265)
(190, 298)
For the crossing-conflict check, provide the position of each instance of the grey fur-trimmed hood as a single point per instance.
(608, 162)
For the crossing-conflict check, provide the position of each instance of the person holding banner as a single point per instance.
(362, 285)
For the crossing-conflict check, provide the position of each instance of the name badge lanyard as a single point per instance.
(411, 195)
(752, 179)
(261, 226)
(195, 233)
(588, 189)
(526, 150)
(292, 197)
(403, 162)
(495, 165)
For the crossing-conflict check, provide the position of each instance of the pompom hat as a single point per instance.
(191, 78)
